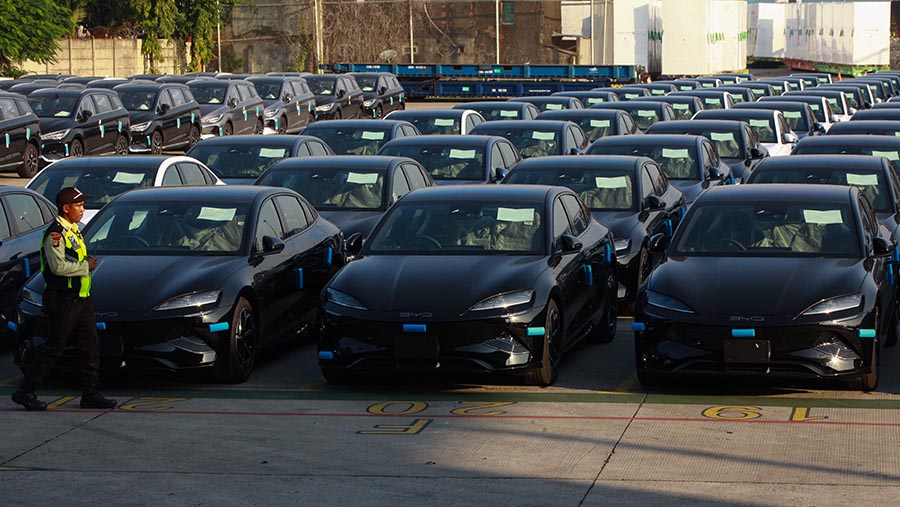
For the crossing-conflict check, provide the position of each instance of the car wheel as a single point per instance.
(194, 136)
(239, 354)
(379, 112)
(77, 148)
(121, 145)
(258, 129)
(338, 115)
(282, 125)
(546, 375)
(30, 161)
(227, 130)
(606, 330)
(156, 143)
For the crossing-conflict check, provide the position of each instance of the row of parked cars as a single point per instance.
(348, 244)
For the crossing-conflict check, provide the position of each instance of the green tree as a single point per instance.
(200, 18)
(29, 30)
(158, 19)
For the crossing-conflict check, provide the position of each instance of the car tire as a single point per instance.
(282, 125)
(228, 129)
(338, 115)
(193, 137)
(546, 375)
(239, 352)
(258, 129)
(335, 376)
(121, 145)
(77, 148)
(605, 331)
(156, 143)
(31, 161)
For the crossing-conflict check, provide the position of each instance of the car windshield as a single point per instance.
(548, 105)
(436, 125)
(351, 140)
(321, 85)
(677, 162)
(870, 183)
(498, 113)
(268, 90)
(239, 160)
(600, 190)
(645, 117)
(206, 228)
(208, 94)
(764, 128)
(444, 162)
(851, 100)
(460, 228)
(768, 229)
(892, 154)
(367, 83)
(796, 120)
(529, 142)
(332, 188)
(101, 183)
(713, 102)
(595, 129)
(836, 105)
(136, 100)
(682, 111)
(53, 106)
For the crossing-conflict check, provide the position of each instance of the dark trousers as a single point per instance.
(70, 318)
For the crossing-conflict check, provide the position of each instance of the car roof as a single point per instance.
(521, 125)
(67, 92)
(582, 162)
(249, 140)
(738, 113)
(581, 113)
(491, 104)
(147, 85)
(695, 125)
(534, 194)
(428, 113)
(822, 162)
(849, 140)
(650, 140)
(217, 193)
(369, 162)
(863, 125)
(778, 104)
(630, 104)
(363, 124)
(125, 162)
(778, 192)
(449, 140)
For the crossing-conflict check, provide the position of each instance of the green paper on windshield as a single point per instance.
(216, 214)
(595, 100)
(672, 153)
(515, 215)
(862, 180)
(372, 136)
(630, 96)
(599, 123)
(681, 107)
(890, 155)
(646, 114)
(272, 152)
(463, 154)
(791, 114)
(759, 123)
(543, 136)
(613, 182)
(128, 178)
(721, 137)
(713, 101)
(362, 178)
(443, 122)
(822, 217)
(509, 114)
(553, 107)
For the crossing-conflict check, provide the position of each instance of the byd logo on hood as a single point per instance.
(414, 315)
(743, 318)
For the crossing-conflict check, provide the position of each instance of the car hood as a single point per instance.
(324, 99)
(159, 278)
(49, 125)
(690, 188)
(142, 116)
(719, 287)
(212, 109)
(442, 285)
(351, 222)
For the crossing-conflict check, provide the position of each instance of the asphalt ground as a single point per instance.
(596, 437)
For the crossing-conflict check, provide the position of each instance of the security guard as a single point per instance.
(66, 267)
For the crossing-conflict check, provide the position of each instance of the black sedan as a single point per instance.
(439, 121)
(359, 137)
(164, 116)
(500, 279)
(454, 160)
(628, 194)
(734, 141)
(538, 138)
(492, 111)
(799, 115)
(689, 162)
(20, 130)
(241, 159)
(878, 146)
(865, 127)
(288, 102)
(645, 113)
(590, 97)
(192, 278)
(685, 107)
(551, 102)
(352, 192)
(596, 123)
(796, 284)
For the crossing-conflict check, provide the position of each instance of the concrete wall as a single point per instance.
(106, 58)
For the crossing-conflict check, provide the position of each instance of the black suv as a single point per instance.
(228, 107)
(81, 122)
(382, 93)
(337, 96)
(20, 136)
(290, 105)
(164, 116)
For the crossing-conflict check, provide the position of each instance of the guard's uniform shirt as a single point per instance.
(63, 260)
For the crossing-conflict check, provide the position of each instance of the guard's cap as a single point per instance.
(70, 195)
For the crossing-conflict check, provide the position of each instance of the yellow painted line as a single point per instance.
(626, 386)
(14, 469)
(309, 386)
(11, 381)
(61, 401)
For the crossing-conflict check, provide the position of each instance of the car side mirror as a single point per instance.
(353, 245)
(756, 153)
(232, 102)
(574, 151)
(852, 111)
(655, 202)
(791, 138)
(341, 93)
(714, 173)
(658, 242)
(818, 127)
(833, 119)
(569, 244)
(287, 97)
(272, 245)
(501, 173)
(382, 90)
(85, 115)
(164, 108)
(882, 248)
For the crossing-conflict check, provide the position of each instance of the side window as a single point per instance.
(178, 98)
(24, 108)
(630, 126)
(103, 103)
(752, 141)
(165, 98)
(646, 185)
(4, 225)
(509, 154)
(575, 211)
(868, 221)
(470, 122)
(713, 156)
(414, 175)
(660, 184)
(399, 187)
(570, 140)
(171, 177)
(292, 215)
(303, 150)
(496, 160)
(191, 174)
(560, 222)
(26, 212)
(317, 148)
(232, 95)
(269, 224)
(8, 109)
(87, 104)
(705, 156)
(580, 138)
(894, 183)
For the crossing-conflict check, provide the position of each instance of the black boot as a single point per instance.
(91, 397)
(24, 396)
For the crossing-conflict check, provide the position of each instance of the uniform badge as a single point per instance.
(54, 239)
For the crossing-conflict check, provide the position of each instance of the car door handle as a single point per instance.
(16, 256)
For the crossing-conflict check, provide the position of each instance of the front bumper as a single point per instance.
(506, 344)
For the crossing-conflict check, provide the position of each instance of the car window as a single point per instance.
(178, 97)
(570, 140)
(414, 175)
(303, 149)
(24, 108)
(894, 183)
(576, 212)
(317, 148)
(660, 183)
(496, 160)
(560, 222)
(646, 184)
(8, 109)
(269, 223)
(706, 157)
(88, 105)
(102, 103)
(171, 177)
(399, 187)
(26, 212)
(165, 98)
(508, 152)
(868, 221)
(191, 174)
(292, 216)
(4, 224)
(630, 126)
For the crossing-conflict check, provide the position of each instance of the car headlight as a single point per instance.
(667, 302)
(211, 119)
(33, 297)
(505, 300)
(137, 127)
(55, 136)
(837, 304)
(622, 246)
(270, 113)
(343, 299)
(369, 103)
(190, 300)
(325, 107)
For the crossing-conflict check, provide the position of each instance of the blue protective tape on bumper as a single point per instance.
(683, 212)
(12, 326)
(414, 328)
(866, 333)
(638, 327)
(889, 274)
(896, 257)
(219, 326)
(329, 253)
(535, 331)
(608, 250)
(668, 224)
(26, 265)
(743, 333)
(101, 326)
(299, 278)
(588, 275)
(326, 355)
